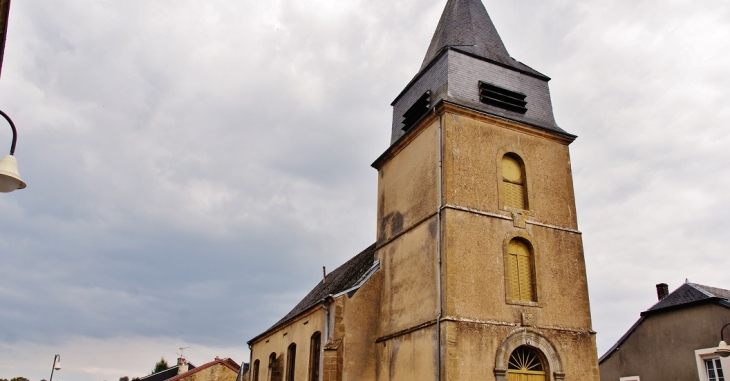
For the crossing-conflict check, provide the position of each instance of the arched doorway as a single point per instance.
(526, 364)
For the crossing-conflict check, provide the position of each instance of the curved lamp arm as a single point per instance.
(15, 132)
(722, 349)
(9, 177)
(722, 338)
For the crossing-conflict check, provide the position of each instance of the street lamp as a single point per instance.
(56, 365)
(9, 177)
(722, 349)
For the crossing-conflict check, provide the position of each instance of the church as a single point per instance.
(477, 271)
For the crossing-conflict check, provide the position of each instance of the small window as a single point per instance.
(713, 367)
(291, 354)
(255, 371)
(520, 278)
(525, 363)
(315, 347)
(513, 182)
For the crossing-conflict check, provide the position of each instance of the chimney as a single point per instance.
(182, 365)
(662, 290)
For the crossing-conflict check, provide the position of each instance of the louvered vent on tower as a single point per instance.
(417, 111)
(502, 98)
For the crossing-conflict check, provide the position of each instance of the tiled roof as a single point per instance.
(341, 279)
(227, 362)
(687, 295)
(165, 374)
(465, 24)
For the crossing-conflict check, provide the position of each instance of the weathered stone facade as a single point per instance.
(438, 302)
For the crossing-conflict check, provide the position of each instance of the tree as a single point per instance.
(159, 366)
(125, 378)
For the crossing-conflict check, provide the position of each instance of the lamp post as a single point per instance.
(722, 349)
(9, 177)
(56, 365)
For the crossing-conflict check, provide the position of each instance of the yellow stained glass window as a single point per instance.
(519, 258)
(525, 365)
(513, 182)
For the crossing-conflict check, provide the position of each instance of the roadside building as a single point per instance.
(675, 339)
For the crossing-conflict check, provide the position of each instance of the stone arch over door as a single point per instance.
(530, 338)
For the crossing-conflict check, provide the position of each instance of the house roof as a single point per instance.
(466, 25)
(346, 277)
(165, 374)
(687, 295)
(226, 362)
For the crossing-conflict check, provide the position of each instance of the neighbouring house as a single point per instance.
(217, 370)
(675, 339)
(477, 271)
(182, 366)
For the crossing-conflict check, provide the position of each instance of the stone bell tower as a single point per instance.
(480, 253)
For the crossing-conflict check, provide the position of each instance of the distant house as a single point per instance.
(181, 367)
(217, 370)
(675, 339)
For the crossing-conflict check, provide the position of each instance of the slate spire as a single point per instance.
(467, 65)
(466, 22)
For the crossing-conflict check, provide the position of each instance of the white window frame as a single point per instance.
(630, 378)
(709, 353)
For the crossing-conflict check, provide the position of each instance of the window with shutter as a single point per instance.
(520, 272)
(513, 182)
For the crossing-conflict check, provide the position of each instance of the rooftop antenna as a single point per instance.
(182, 349)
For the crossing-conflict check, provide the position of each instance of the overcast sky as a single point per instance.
(191, 166)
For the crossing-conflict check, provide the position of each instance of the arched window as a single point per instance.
(272, 359)
(315, 347)
(514, 191)
(525, 364)
(291, 355)
(274, 368)
(520, 277)
(255, 371)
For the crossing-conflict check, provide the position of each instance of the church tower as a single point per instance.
(483, 275)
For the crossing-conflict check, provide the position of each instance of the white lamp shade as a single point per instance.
(723, 350)
(57, 366)
(9, 176)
